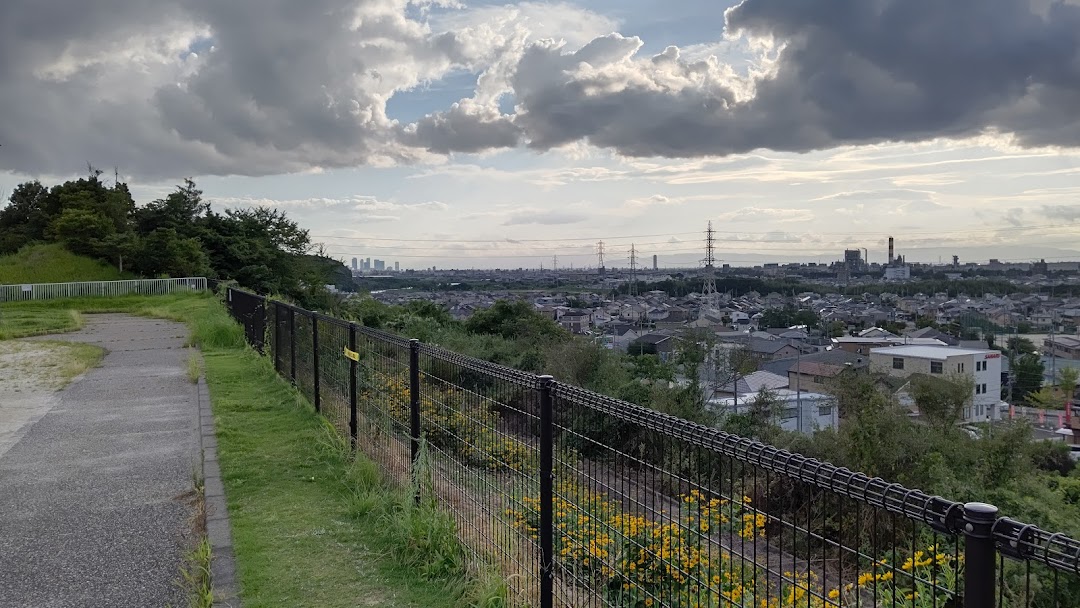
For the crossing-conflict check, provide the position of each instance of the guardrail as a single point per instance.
(585, 500)
(52, 291)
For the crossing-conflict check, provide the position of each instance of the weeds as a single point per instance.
(194, 367)
(196, 577)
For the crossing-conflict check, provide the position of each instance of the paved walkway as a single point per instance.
(95, 495)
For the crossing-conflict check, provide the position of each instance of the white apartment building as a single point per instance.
(983, 365)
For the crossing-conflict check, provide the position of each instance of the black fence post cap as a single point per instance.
(980, 512)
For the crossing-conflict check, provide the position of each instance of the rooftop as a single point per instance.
(930, 352)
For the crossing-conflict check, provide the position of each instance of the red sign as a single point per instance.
(994, 356)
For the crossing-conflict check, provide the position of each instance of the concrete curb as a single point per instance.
(222, 560)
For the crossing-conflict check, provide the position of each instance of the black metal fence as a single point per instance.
(584, 500)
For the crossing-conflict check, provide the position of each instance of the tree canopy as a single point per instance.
(178, 235)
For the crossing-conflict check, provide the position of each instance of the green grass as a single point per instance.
(53, 264)
(311, 524)
(23, 322)
(194, 367)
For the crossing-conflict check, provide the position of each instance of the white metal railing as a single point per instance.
(51, 291)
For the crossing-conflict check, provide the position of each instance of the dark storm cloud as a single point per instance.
(279, 85)
(851, 71)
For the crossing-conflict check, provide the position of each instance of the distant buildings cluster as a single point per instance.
(369, 265)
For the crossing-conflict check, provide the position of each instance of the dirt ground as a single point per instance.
(31, 372)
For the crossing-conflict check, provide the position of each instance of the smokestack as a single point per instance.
(890, 251)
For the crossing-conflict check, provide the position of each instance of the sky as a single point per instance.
(475, 134)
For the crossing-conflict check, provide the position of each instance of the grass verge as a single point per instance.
(312, 524)
(20, 322)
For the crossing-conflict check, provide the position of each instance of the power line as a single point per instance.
(849, 235)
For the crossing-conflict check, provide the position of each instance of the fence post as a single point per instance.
(352, 387)
(980, 555)
(547, 491)
(414, 408)
(315, 358)
(292, 345)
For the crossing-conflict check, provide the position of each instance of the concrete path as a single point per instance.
(95, 495)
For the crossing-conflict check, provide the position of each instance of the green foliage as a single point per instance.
(179, 235)
(516, 320)
(925, 321)
(789, 317)
(52, 264)
(1020, 345)
(1027, 371)
(1052, 457)
(941, 401)
(896, 327)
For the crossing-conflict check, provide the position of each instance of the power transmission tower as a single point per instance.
(633, 271)
(600, 257)
(712, 299)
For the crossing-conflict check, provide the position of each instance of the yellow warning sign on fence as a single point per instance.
(352, 354)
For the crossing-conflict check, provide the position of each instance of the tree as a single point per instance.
(788, 317)
(895, 327)
(941, 401)
(1027, 372)
(925, 321)
(179, 211)
(759, 419)
(1020, 345)
(835, 329)
(514, 320)
(1046, 398)
(1067, 380)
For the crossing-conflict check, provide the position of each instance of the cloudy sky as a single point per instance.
(481, 133)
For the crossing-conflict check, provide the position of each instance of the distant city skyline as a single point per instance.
(470, 139)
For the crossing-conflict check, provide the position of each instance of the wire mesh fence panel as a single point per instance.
(647, 518)
(305, 360)
(250, 311)
(383, 401)
(282, 339)
(334, 370)
(481, 457)
(1036, 568)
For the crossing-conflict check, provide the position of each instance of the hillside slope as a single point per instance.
(53, 264)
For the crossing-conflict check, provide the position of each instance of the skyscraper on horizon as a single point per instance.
(354, 263)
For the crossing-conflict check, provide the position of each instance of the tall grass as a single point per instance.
(53, 264)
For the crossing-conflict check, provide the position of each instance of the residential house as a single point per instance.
(656, 344)
(767, 350)
(1064, 347)
(751, 384)
(576, 321)
(813, 376)
(798, 412)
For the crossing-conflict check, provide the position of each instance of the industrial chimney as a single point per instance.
(890, 251)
